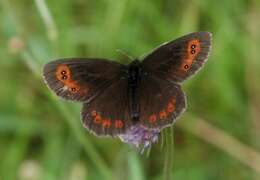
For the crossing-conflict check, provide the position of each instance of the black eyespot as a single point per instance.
(73, 89)
(193, 46)
(186, 66)
(193, 51)
(63, 72)
(64, 77)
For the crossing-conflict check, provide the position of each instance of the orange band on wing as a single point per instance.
(119, 124)
(165, 112)
(193, 49)
(63, 74)
(153, 118)
(106, 123)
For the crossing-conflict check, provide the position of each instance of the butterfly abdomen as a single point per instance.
(134, 74)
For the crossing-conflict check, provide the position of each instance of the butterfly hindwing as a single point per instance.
(108, 113)
(80, 79)
(161, 102)
(179, 59)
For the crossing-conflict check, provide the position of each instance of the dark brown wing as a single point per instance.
(179, 59)
(161, 102)
(80, 79)
(108, 113)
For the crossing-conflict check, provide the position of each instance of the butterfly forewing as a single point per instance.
(80, 79)
(108, 114)
(161, 102)
(179, 59)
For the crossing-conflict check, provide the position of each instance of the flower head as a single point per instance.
(140, 137)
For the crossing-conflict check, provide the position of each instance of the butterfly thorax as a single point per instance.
(134, 74)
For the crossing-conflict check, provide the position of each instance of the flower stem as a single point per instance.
(168, 159)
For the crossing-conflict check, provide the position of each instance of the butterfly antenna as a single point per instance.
(125, 54)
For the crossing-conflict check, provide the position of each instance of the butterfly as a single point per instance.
(116, 97)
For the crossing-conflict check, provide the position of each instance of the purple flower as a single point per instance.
(140, 137)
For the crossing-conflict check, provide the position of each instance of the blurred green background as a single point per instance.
(41, 137)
